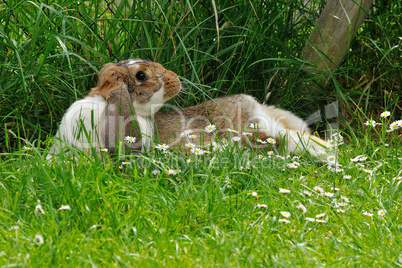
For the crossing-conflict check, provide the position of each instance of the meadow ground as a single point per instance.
(229, 207)
(224, 206)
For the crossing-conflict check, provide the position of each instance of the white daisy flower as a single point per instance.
(262, 206)
(302, 207)
(371, 123)
(162, 146)
(261, 141)
(65, 207)
(39, 239)
(320, 215)
(319, 189)
(104, 150)
(347, 177)
(255, 194)
(185, 133)
(284, 220)
(210, 128)
(385, 114)
(293, 165)
(397, 178)
(270, 153)
(285, 214)
(344, 198)
(261, 157)
(39, 209)
(236, 138)
(156, 172)
(284, 191)
(197, 151)
(247, 134)
(329, 194)
(339, 210)
(310, 219)
(189, 160)
(368, 214)
(271, 141)
(232, 130)
(126, 163)
(381, 212)
(307, 193)
(395, 125)
(192, 136)
(322, 221)
(189, 145)
(130, 139)
(252, 125)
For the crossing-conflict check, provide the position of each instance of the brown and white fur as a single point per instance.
(238, 112)
(121, 104)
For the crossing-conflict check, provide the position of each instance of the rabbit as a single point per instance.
(242, 116)
(126, 96)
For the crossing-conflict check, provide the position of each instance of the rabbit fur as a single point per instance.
(121, 105)
(126, 95)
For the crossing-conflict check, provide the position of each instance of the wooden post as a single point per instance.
(330, 39)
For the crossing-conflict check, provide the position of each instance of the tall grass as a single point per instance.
(206, 215)
(50, 54)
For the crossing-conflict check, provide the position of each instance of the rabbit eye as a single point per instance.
(140, 76)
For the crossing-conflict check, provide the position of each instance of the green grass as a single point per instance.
(49, 57)
(130, 217)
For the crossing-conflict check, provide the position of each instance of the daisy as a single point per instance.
(192, 136)
(247, 134)
(236, 138)
(254, 125)
(347, 177)
(104, 150)
(262, 206)
(270, 153)
(197, 151)
(319, 220)
(189, 160)
(335, 188)
(320, 215)
(368, 214)
(328, 194)
(232, 130)
(185, 133)
(310, 219)
(162, 146)
(39, 209)
(381, 212)
(227, 180)
(39, 239)
(339, 210)
(394, 125)
(319, 189)
(261, 157)
(307, 193)
(302, 207)
(370, 123)
(397, 178)
(385, 114)
(261, 141)
(293, 165)
(156, 172)
(210, 128)
(26, 148)
(271, 141)
(284, 220)
(126, 163)
(65, 207)
(344, 198)
(285, 214)
(342, 204)
(253, 194)
(284, 191)
(189, 145)
(130, 139)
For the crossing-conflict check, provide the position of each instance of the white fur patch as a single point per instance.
(147, 131)
(150, 108)
(79, 126)
(267, 123)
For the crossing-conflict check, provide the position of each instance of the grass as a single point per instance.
(49, 57)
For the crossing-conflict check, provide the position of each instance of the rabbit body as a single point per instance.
(121, 105)
(238, 113)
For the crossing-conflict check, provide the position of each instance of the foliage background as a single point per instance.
(50, 52)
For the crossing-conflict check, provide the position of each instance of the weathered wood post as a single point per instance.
(330, 39)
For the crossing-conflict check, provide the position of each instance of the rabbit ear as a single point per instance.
(118, 124)
(110, 77)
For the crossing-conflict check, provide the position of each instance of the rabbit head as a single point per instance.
(148, 83)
